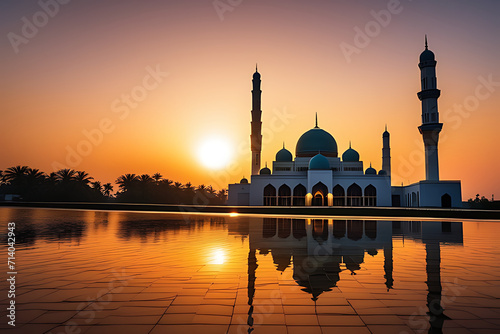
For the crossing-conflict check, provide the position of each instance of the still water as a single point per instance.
(126, 272)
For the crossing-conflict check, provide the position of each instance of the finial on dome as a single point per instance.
(349, 144)
(283, 144)
(266, 164)
(370, 164)
(256, 67)
(385, 127)
(316, 121)
(426, 41)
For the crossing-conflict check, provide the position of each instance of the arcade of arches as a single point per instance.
(354, 196)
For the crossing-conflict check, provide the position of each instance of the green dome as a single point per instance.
(350, 155)
(284, 155)
(319, 161)
(316, 141)
(265, 171)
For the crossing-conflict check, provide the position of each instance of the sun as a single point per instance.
(215, 153)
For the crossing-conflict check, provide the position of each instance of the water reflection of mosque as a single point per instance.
(318, 250)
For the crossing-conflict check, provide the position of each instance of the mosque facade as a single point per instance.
(319, 176)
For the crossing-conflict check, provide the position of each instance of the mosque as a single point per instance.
(318, 176)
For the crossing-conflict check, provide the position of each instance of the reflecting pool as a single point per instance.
(133, 272)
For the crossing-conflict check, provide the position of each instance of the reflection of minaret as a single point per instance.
(433, 269)
(388, 266)
(430, 127)
(386, 152)
(252, 267)
(256, 124)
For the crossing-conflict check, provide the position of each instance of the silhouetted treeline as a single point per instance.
(482, 203)
(67, 185)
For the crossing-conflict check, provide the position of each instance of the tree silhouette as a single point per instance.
(15, 174)
(82, 177)
(107, 189)
(157, 177)
(126, 182)
(31, 184)
(65, 175)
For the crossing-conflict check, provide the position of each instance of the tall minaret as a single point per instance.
(430, 127)
(386, 152)
(256, 124)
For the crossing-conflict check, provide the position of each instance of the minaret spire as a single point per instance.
(386, 152)
(431, 126)
(256, 123)
(316, 121)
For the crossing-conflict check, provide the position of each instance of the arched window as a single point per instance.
(299, 228)
(320, 193)
(284, 196)
(339, 228)
(269, 195)
(269, 227)
(320, 230)
(355, 229)
(446, 201)
(284, 227)
(354, 195)
(370, 196)
(338, 195)
(414, 199)
(371, 229)
(299, 195)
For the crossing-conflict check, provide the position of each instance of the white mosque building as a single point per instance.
(319, 177)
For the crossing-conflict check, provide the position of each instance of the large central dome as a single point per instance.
(316, 141)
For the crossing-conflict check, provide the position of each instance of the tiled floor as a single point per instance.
(154, 273)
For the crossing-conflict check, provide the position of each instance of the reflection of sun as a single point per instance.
(214, 153)
(218, 257)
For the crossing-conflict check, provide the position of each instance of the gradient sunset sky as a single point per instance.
(69, 76)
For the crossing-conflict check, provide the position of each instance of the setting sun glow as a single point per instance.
(214, 153)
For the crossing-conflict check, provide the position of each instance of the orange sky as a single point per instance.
(64, 80)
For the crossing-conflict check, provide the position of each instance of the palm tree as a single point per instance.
(167, 182)
(35, 176)
(178, 185)
(157, 177)
(126, 181)
(96, 185)
(108, 188)
(211, 190)
(83, 177)
(222, 195)
(65, 175)
(145, 178)
(13, 174)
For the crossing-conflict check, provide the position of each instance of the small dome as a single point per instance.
(370, 171)
(265, 171)
(382, 172)
(350, 155)
(284, 155)
(427, 55)
(316, 141)
(244, 180)
(319, 162)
